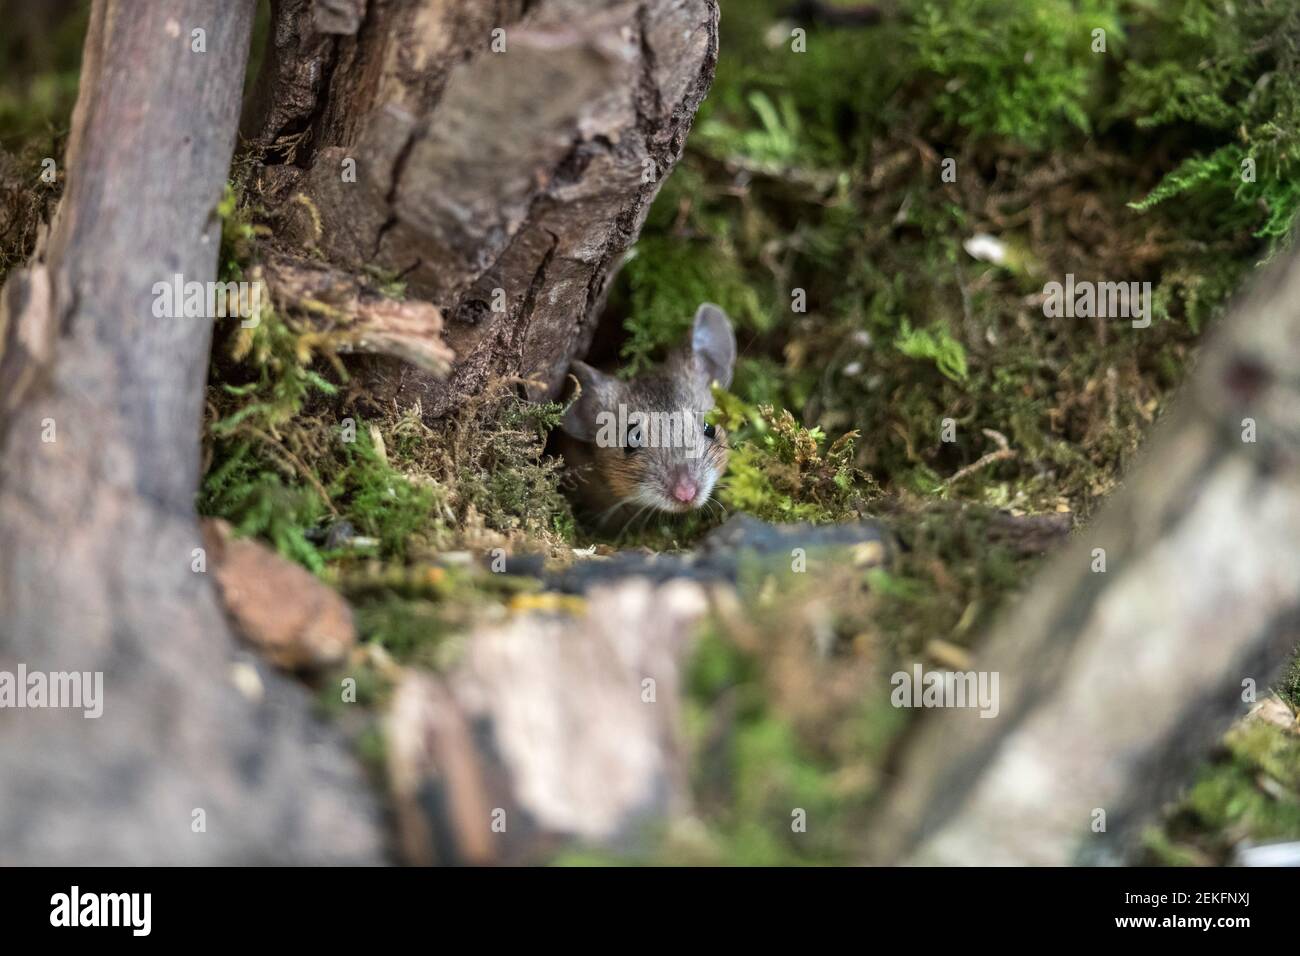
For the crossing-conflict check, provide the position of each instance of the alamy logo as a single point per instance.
(649, 430)
(103, 909)
(37, 689)
(1100, 300)
(946, 689)
(179, 299)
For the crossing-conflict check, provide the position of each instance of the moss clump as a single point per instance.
(1251, 792)
(695, 273)
(492, 458)
(781, 471)
(280, 464)
(1230, 70)
(1023, 69)
(400, 488)
(1289, 687)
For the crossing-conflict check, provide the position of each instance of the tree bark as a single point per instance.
(100, 407)
(1113, 683)
(505, 154)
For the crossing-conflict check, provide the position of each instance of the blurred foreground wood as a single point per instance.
(1115, 683)
(100, 406)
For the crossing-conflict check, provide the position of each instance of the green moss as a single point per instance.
(1289, 688)
(1252, 792)
(781, 471)
(1233, 70)
(792, 189)
(382, 502)
(1022, 69)
(281, 467)
(407, 629)
(501, 470)
(264, 503)
(694, 273)
(937, 346)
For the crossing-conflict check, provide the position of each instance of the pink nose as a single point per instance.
(685, 490)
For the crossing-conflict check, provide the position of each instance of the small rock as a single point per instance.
(1273, 710)
(986, 248)
(297, 622)
(340, 533)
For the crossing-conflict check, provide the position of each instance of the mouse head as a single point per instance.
(652, 446)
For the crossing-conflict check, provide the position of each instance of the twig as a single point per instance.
(1003, 453)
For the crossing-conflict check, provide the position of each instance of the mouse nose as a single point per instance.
(685, 489)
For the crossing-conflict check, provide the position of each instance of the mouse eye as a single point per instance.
(710, 432)
(635, 439)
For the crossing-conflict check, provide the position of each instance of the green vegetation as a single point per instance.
(1231, 71)
(780, 471)
(41, 67)
(1251, 790)
(820, 176)
(1024, 71)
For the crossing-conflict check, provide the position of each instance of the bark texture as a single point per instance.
(505, 157)
(100, 406)
(1113, 683)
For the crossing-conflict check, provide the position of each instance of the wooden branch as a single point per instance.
(354, 318)
(1113, 682)
(199, 756)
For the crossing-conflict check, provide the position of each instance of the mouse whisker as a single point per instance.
(629, 525)
(601, 518)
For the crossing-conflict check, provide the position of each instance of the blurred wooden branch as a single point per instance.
(100, 404)
(1113, 683)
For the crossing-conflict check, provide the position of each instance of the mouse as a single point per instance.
(641, 445)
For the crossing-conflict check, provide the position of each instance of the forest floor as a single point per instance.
(832, 201)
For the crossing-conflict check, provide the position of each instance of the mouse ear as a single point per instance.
(598, 393)
(713, 345)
